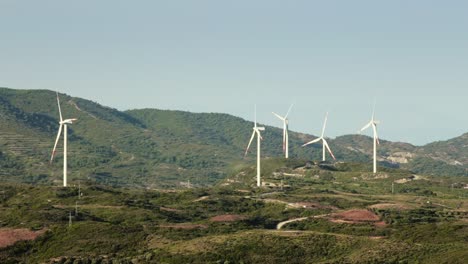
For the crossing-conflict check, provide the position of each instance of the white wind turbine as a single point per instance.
(373, 123)
(256, 130)
(63, 124)
(324, 141)
(285, 131)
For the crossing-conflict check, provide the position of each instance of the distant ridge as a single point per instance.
(162, 148)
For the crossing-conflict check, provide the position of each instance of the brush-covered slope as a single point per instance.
(149, 147)
(321, 213)
(160, 148)
(439, 158)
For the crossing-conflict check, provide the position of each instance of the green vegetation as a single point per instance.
(166, 149)
(195, 199)
(346, 216)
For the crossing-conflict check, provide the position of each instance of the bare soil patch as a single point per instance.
(358, 215)
(355, 216)
(227, 218)
(380, 224)
(390, 206)
(9, 236)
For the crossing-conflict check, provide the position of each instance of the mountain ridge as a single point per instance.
(162, 148)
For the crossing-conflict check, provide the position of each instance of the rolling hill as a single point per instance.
(164, 149)
(323, 213)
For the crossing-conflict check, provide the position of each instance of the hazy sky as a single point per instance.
(225, 56)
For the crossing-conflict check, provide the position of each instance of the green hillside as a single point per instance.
(165, 149)
(305, 213)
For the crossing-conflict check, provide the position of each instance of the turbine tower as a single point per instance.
(324, 141)
(373, 123)
(285, 131)
(256, 131)
(63, 126)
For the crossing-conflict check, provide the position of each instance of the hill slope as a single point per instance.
(324, 214)
(160, 148)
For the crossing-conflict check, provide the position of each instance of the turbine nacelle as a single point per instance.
(256, 131)
(62, 128)
(285, 130)
(280, 117)
(373, 123)
(324, 141)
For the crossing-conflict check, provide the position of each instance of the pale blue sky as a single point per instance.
(225, 56)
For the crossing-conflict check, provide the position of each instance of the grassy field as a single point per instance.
(340, 213)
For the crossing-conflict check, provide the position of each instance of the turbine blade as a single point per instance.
(376, 136)
(278, 116)
(373, 108)
(313, 141)
(324, 124)
(365, 127)
(250, 142)
(60, 110)
(289, 110)
(328, 148)
(258, 134)
(255, 115)
(71, 120)
(56, 142)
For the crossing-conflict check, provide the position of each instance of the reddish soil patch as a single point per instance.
(184, 226)
(380, 224)
(227, 218)
(357, 216)
(10, 236)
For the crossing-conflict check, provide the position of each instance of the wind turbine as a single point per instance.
(285, 131)
(373, 123)
(256, 131)
(63, 126)
(324, 141)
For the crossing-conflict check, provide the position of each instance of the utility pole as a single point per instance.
(393, 187)
(69, 220)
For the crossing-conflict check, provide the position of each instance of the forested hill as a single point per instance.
(161, 148)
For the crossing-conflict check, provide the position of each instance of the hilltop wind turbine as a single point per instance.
(256, 131)
(63, 124)
(285, 131)
(373, 123)
(324, 141)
